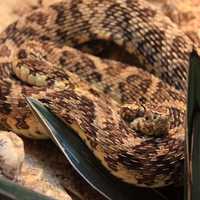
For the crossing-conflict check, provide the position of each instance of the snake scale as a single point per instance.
(132, 118)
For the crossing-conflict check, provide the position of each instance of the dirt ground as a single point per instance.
(47, 171)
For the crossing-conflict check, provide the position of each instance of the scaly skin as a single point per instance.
(102, 99)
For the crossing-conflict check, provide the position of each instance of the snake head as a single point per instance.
(151, 121)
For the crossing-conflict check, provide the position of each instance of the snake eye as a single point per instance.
(155, 117)
(146, 118)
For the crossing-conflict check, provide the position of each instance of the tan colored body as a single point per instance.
(89, 93)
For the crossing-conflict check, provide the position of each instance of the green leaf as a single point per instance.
(12, 191)
(192, 161)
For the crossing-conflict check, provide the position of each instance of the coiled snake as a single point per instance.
(131, 118)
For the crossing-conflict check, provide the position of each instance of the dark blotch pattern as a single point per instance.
(130, 161)
(60, 9)
(177, 117)
(21, 122)
(38, 17)
(5, 108)
(131, 84)
(74, 15)
(146, 13)
(84, 67)
(5, 89)
(155, 35)
(94, 92)
(112, 164)
(140, 160)
(117, 19)
(19, 36)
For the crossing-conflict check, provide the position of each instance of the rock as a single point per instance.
(11, 154)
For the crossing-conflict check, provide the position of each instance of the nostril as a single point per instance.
(22, 54)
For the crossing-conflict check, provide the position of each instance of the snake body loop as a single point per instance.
(131, 118)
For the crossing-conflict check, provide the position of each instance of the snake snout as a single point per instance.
(151, 122)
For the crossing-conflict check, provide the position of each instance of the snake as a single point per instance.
(130, 116)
